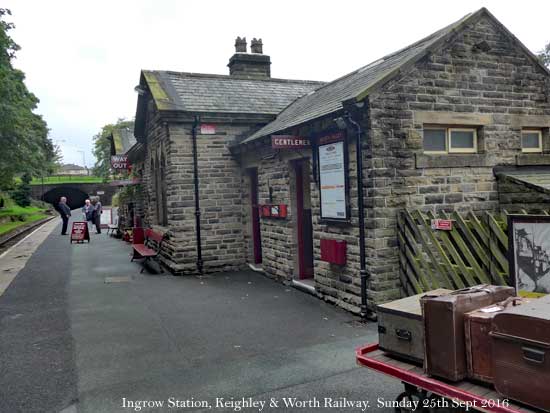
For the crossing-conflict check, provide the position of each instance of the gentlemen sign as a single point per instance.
(289, 142)
(119, 162)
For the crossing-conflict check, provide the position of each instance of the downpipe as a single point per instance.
(197, 199)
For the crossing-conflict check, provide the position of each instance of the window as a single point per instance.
(531, 140)
(450, 140)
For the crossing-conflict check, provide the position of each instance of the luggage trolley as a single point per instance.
(434, 394)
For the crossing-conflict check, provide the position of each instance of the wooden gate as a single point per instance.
(473, 252)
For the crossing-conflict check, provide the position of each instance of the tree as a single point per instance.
(544, 56)
(24, 140)
(102, 148)
(22, 194)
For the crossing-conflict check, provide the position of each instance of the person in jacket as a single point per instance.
(88, 212)
(98, 210)
(65, 213)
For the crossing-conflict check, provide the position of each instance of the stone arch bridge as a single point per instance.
(76, 193)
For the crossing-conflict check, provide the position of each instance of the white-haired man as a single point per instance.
(65, 213)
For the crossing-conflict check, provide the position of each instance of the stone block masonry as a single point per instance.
(458, 85)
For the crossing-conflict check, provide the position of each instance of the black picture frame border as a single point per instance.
(318, 136)
(519, 218)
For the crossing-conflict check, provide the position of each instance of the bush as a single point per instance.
(22, 193)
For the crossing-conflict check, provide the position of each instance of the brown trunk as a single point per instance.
(444, 327)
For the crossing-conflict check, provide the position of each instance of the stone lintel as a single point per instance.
(452, 118)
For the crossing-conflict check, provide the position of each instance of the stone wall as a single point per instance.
(335, 284)
(223, 245)
(464, 87)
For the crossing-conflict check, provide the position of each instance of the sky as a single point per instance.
(83, 59)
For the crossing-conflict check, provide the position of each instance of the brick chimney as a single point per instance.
(253, 65)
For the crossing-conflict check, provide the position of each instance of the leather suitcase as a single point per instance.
(445, 352)
(477, 326)
(521, 353)
(400, 327)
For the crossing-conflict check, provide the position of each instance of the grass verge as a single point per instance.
(10, 226)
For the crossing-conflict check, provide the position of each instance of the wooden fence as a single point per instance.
(473, 252)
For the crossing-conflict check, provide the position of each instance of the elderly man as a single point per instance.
(65, 213)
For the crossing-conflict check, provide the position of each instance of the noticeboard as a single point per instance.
(106, 218)
(333, 180)
(79, 232)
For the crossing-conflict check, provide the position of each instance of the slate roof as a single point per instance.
(122, 139)
(358, 84)
(533, 178)
(195, 92)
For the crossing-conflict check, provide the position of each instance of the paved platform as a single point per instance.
(70, 340)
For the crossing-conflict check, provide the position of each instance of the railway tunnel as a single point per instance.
(75, 196)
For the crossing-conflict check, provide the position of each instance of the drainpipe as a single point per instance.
(197, 200)
(361, 210)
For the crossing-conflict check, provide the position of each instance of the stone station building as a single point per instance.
(276, 175)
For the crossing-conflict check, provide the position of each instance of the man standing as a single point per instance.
(98, 210)
(65, 213)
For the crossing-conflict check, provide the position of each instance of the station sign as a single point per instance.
(119, 162)
(289, 142)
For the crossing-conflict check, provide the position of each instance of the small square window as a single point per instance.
(531, 141)
(435, 140)
(462, 140)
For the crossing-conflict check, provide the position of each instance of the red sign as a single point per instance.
(289, 142)
(208, 129)
(125, 182)
(119, 162)
(79, 232)
(333, 137)
(442, 224)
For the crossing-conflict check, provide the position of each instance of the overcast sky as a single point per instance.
(83, 59)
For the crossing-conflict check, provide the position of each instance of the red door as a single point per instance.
(255, 215)
(304, 227)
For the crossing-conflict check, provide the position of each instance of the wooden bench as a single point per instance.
(147, 245)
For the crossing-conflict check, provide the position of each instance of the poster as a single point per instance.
(106, 218)
(332, 180)
(79, 232)
(531, 255)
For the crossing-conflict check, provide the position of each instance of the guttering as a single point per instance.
(197, 199)
(361, 212)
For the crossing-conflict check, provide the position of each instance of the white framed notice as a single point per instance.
(332, 181)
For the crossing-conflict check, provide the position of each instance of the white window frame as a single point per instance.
(446, 140)
(473, 149)
(532, 150)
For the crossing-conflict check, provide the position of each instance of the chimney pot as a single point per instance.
(256, 46)
(240, 45)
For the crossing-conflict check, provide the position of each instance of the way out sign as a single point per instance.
(79, 232)
(119, 162)
(442, 224)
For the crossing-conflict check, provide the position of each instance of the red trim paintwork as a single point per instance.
(426, 383)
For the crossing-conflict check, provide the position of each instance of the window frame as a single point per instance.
(539, 149)
(446, 140)
(462, 150)
(448, 143)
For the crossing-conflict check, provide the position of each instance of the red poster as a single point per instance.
(79, 232)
